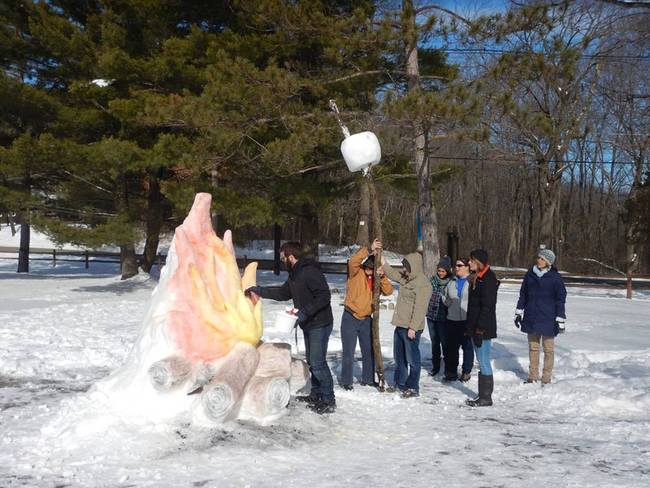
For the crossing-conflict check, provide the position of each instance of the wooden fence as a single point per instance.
(89, 257)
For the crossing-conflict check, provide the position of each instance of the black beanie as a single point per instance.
(369, 262)
(480, 255)
(445, 263)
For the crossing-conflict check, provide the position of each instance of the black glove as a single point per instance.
(558, 328)
(253, 289)
(302, 318)
(478, 337)
(518, 321)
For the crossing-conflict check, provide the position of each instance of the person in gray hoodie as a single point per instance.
(455, 298)
(412, 303)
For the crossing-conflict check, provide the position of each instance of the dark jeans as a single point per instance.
(456, 339)
(316, 341)
(407, 359)
(438, 336)
(351, 328)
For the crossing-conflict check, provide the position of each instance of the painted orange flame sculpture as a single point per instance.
(199, 348)
(210, 313)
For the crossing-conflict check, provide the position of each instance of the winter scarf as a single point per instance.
(436, 309)
(540, 272)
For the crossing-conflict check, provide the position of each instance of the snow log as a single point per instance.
(265, 398)
(275, 360)
(299, 375)
(169, 373)
(222, 395)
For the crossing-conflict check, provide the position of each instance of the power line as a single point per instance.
(492, 160)
(508, 51)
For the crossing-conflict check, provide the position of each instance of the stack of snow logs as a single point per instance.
(250, 383)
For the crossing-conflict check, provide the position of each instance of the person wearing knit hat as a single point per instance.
(547, 255)
(480, 255)
(437, 314)
(540, 313)
(356, 322)
(482, 322)
(455, 297)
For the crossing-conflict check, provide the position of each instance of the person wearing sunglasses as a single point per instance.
(455, 298)
(541, 313)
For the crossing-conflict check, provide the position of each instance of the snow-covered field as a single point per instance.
(62, 330)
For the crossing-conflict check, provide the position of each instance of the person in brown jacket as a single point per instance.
(357, 316)
(408, 319)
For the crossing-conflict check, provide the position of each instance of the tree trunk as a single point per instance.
(363, 234)
(128, 261)
(214, 182)
(427, 211)
(154, 222)
(25, 228)
(548, 187)
(632, 224)
(377, 231)
(630, 262)
(277, 237)
(514, 225)
(309, 235)
(23, 252)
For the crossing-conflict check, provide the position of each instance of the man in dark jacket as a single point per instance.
(308, 289)
(540, 312)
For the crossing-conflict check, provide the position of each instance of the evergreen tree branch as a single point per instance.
(377, 72)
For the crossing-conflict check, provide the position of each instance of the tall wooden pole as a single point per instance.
(376, 343)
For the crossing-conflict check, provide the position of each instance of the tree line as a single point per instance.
(515, 129)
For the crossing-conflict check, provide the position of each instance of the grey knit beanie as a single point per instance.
(547, 255)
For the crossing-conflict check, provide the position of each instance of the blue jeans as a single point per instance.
(438, 336)
(316, 341)
(351, 328)
(406, 353)
(483, 357)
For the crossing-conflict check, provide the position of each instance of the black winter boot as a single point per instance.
(309, 399)
(485, 388)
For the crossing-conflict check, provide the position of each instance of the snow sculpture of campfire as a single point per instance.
(199, 350)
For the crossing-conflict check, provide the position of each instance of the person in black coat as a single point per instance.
(308, 289)
(541, 313)
(482, 322)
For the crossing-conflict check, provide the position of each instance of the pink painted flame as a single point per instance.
(209, 312)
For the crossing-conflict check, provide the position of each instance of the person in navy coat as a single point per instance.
(540, 312)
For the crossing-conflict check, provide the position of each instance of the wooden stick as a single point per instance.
(376, 344)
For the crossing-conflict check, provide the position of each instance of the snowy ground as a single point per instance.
(62, 332)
